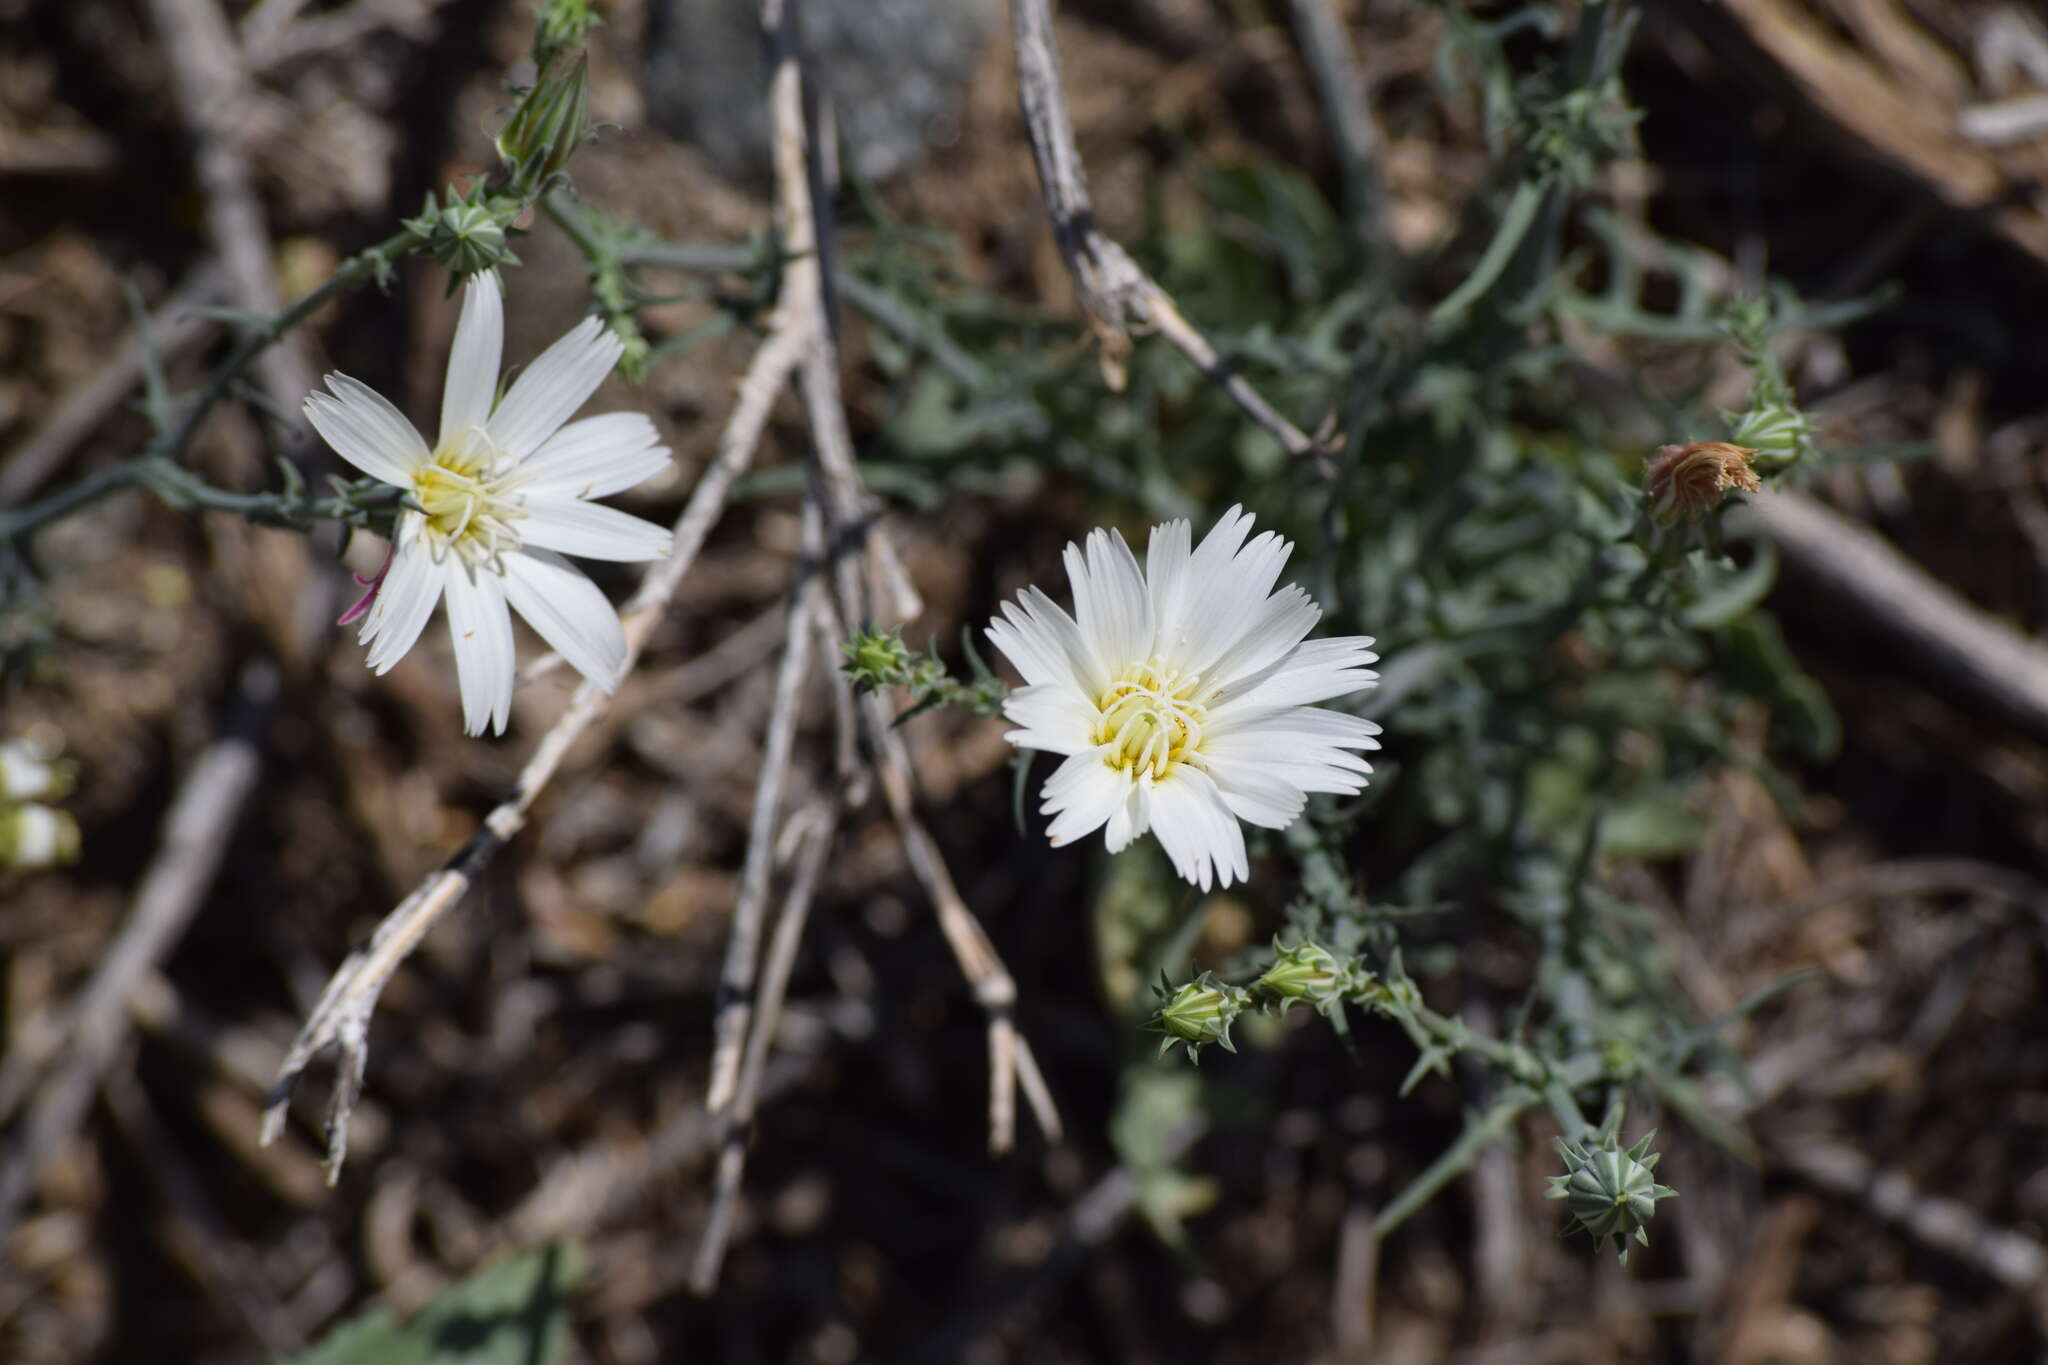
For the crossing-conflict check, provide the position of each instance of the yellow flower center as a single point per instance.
(1148, 715)
(467, 508)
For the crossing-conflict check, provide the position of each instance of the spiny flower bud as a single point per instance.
(36, 836)
(1307, 971)
(27, 773)
(876, 659)
(550, 123)
(467, 235)
(1199, 1013)
(1609, 1192)
(1776, 432)
(1685, 481)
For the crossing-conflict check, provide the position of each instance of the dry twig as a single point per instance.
(1952, 640)
(1115, 289)
(742, 948)
(812, 829)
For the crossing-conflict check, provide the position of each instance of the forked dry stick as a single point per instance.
(848, 510)
(1115, 289)
(811, 830)
(1011, 1064)
(735, 1004)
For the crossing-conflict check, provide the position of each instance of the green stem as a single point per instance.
(157, 469)
(876, 304)
(91, 488)
(1456, 1159)
(355, 271)
(1507, 238)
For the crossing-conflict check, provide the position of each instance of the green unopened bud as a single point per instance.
(550, 123)
(1609, 1192)
(1307, 971)
(1200, 1013)
(36, 836)
(876, 659)
(467, 234)
(28, 773)
(1776, 433)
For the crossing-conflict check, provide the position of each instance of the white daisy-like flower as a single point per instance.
(1181, 694)
(497, 501)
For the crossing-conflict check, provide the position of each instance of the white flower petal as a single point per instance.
(550, 390)
(1167, 562)
(595, 458)
(584, 528)
(1054, 717)
(1255, 793)
(1305, 746)
(1081, 794)
(481, 628)
(1197, 830)
(569, 612)
(1110, 602)
(367, 431)
(1280, 623)
(1045, 643)
(1316, 670)
(1303, 724)
(1131, 819)
(473, 360)
(405, 600)
(1226, 590)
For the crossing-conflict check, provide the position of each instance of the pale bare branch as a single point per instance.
(1115, 289)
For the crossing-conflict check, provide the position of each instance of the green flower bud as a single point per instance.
(548, 126)
(1307, 971)
(1777, 433)
(876, 659)
(37, 836)
(1199, 1013)
(1609, 1192)
(467, 234)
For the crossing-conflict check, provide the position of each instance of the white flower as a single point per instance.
(494, 505)
(1181, 694)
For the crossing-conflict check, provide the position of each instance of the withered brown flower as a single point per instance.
(1685, 481)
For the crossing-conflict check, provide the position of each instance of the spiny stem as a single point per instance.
(157, 468)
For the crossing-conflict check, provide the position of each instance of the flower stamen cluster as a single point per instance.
(1149, 720)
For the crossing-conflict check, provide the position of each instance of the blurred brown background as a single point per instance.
(537, 1070)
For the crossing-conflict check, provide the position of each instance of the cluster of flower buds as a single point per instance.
(878, 659)
(1610, 1191)
(1685, 482)
(33, 834)
(1202, 1011)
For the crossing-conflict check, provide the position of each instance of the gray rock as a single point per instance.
(895, 70)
